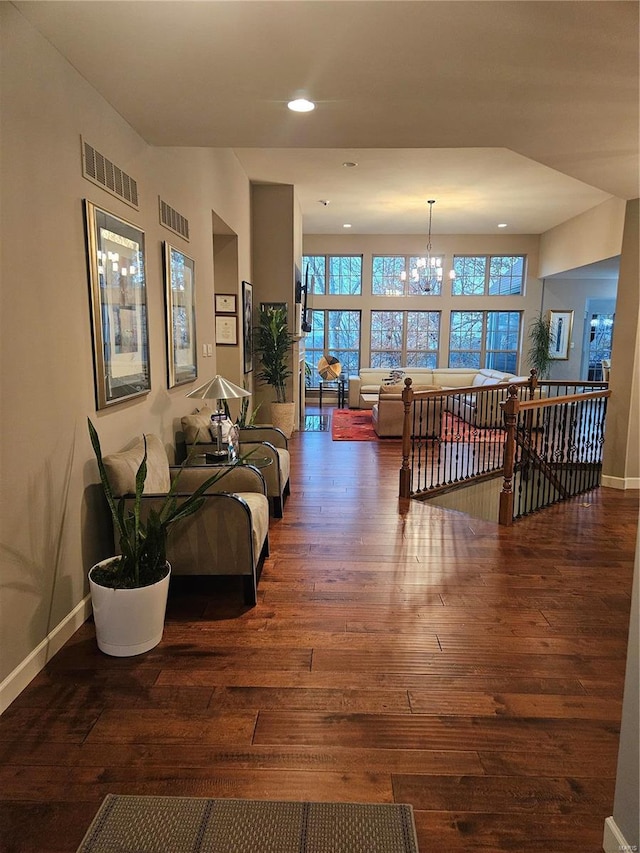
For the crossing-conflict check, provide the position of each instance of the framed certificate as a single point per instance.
(227, 331)
(226, 303)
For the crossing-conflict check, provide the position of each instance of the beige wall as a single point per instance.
(621, 461)
(369, 245)
(592, 236)
(50, 533)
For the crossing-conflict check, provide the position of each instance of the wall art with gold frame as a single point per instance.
(180, 311)
(118, 295)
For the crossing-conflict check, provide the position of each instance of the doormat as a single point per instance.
(198, 825)
(352, 425)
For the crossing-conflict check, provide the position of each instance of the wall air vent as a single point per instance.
(101, 171)
(173, 220)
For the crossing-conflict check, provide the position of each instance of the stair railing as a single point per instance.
(553, 446)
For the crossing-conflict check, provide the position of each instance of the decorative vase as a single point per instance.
(128, 621)
(283, 417)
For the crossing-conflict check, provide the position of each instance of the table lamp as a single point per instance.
(219, 389)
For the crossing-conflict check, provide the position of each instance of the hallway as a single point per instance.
(397, 653)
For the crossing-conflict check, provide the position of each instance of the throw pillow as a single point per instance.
(122, 467)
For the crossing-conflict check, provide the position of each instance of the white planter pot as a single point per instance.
(283, 416)
(128, 621)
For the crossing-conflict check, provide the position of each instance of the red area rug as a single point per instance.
(356, 425)
(352, 425)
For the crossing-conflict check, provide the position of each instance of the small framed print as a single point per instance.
(226, 303)
(560, 327)
(227, 331)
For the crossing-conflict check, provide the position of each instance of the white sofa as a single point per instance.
(481, 410)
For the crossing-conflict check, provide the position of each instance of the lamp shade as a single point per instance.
(219, 388)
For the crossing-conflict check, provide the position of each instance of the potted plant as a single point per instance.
(540, 343)
(273, 341)
(129, 591)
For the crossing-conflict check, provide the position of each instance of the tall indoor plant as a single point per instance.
(129, 591)
(540, 342)
(272, 345)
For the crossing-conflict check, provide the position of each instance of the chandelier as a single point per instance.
(427, 272)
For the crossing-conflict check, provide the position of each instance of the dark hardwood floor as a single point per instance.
(398, 652)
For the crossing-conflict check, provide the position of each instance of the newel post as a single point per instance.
(510, 407)
(533, 382)
(405, 471)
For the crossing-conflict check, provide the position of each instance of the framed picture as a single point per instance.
(180, 312)
(227, 331)
(560, 327)
(226, 303)
(118, 294)
(247, 326)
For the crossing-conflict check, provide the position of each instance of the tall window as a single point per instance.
(405, 338)
(402, 275)
(488, 275)
(336, 333)
(484, 339)
(339, 275)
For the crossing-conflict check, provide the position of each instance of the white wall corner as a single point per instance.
(24, 673)
(620, 482)
(614, 841)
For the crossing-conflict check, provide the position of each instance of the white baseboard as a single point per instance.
(620, 482)
(613, 840)
(16, 681)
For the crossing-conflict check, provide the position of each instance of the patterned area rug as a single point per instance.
(356, 425)
(352, 425)
(195, 825)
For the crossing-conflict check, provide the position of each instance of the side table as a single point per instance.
(339, 383)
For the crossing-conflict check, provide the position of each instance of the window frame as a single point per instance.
(404, 350)
(488, 258)
(327, 275)
(346, 370)
(485, 352)
(409, 289)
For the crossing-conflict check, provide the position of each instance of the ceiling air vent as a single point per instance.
(173, 220)
(101, 171)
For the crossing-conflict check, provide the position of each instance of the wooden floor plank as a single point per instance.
(398, 652)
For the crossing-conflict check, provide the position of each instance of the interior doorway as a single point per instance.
(598, 334)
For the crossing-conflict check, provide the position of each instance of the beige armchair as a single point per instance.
(227, 536)
(387, 414)
(271, 442)
(266, 441)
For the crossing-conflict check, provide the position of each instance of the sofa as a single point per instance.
(228, 535)
(482, 410)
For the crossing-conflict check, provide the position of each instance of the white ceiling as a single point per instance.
(517, 111)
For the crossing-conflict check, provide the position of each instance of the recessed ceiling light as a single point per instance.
(324, 201)
(502, 224)
(347, 225)
(349, 164)
(301, 105)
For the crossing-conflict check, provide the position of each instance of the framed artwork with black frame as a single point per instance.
(247, 326)
(180, 311)
(118, 296)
